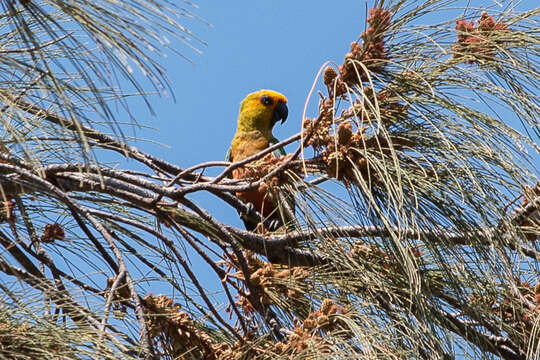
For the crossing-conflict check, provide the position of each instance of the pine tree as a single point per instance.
(416, 198)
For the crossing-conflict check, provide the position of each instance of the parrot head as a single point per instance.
(261, 110)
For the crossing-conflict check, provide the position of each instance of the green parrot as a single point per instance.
(259, 112)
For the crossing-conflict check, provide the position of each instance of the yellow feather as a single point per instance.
(254, 131)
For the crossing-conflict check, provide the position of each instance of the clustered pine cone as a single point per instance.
(478, 43)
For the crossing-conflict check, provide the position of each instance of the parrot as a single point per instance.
(258, 114)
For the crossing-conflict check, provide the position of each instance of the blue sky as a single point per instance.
(251, 45)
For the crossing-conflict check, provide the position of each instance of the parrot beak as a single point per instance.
(280, 113)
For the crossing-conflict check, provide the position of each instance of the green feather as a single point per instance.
(280, 151)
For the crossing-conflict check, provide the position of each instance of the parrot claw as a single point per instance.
(274, 225)
(250, 210)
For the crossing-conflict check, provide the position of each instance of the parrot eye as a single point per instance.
(266, 100)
